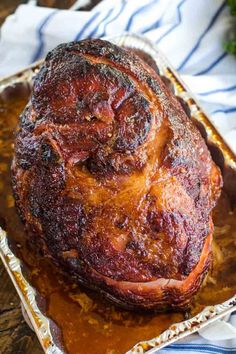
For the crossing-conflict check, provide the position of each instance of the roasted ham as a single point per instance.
(112, 179)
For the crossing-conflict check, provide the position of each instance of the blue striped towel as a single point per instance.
(189, 32)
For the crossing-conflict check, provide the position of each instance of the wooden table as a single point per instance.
(15, 335)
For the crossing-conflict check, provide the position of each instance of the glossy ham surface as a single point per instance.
(112, 180)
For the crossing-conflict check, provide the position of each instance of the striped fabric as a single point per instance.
(212, 339)
(189, 32)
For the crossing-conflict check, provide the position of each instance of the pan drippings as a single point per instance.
(87, 321)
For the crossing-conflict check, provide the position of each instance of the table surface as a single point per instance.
(15, 335)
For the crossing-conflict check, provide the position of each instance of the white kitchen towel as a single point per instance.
(189, 32)
(217, 338)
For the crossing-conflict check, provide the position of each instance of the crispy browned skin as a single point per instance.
(112, 179)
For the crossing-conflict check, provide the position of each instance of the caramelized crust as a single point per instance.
(112, 179)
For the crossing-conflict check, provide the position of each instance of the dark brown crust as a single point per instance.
(112, 179)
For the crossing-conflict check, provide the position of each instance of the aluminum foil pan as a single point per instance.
(223, 156)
